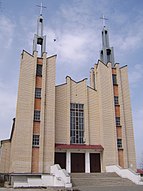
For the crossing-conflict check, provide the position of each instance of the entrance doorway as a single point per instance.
(77, 162)
(60, 158)
(95, 165)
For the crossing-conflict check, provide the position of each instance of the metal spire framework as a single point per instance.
(39, 39)
(107, 52)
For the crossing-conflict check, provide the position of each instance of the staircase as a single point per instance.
(83, 180)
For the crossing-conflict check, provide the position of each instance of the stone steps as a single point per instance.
(98, 180)
(86, 175)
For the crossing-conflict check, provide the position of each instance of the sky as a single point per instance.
(76, 26)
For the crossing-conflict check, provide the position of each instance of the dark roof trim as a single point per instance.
(116, 64)
(24, 51)
(102, 63)
(12, 130)
(61, 84)
(75, 81)
(91, 88)
(123, 66)
(55, 55)
(39, 58)
(79, 146)
(5, 140)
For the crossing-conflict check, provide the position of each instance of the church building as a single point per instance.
(81, 127)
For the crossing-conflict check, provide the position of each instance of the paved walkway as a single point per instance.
(117, 188)
(88, 188)
(28, 189)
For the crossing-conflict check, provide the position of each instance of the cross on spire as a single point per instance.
(41, 8)
(103, 20)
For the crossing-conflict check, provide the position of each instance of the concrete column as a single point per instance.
(68, 161)
(87, 162)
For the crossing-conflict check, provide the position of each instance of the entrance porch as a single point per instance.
(79, 158)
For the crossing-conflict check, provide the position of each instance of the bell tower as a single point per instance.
(107, 52)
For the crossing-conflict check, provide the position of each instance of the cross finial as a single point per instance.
(103, 20)
(41, 8)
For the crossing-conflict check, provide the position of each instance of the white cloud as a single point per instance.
(127, 41)
(72, 47)
(135, 75)
(8, 109)
(138, 129)
(7, 99)
(128, 38)
(7, 28)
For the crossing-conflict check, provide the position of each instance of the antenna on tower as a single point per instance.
(41, 8)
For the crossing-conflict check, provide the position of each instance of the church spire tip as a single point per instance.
(39, 39)
(41, 8)
(107, 52)
(103, 20)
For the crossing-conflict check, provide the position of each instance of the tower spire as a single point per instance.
(107, 52)
(39, 39)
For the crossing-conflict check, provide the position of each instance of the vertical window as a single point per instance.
(114, 78)
(116, 100)
(35, 141)
(39, 70)
(36, 115)
(77, 123)
(38, 93)
(119, 143)
(117, 121)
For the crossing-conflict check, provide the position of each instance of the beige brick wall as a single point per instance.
(122, 119)
(78, 94)
(108, 136)
(71, 92)
(127, 125)
(62, 115)
(35, 160)
(21, 148)
(48, 112)
(5, 156)
(93, 114)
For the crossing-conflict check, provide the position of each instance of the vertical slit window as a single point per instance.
(116, 100)
(117, 121)
(119, 143)
(38, 93)
(35, 142)
(39, 70)
(36, 115)
(114, 78)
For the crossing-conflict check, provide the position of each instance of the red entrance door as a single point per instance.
(77, 162)
(95, 165)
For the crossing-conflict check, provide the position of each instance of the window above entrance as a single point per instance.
(76, 123)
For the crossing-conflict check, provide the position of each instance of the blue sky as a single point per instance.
(77, 27)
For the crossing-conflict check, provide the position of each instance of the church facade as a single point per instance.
(81, 127)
